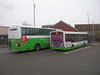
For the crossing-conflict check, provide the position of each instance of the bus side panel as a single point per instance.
(44, 42)
(18, 45)
(29, 44)
(76, 44)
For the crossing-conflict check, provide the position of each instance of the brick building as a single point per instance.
(90, 28)
(61, 25)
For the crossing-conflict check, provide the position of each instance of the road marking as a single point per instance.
(73, 51)
(53, 51)
(6, 51)
(23, 51)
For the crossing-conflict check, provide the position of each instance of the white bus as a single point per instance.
(63, 40)
(28, 38)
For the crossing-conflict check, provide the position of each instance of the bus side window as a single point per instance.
(44, 32)
(28, 31)
(72, 38)
(76, 38)
(85, 37)
(23, 31)
(48, 32)
(31, 31)
(79, 37)
(67, 37)
(40, 31)
(36, 31)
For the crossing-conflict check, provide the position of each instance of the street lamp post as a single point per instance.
(88, 22)
(34, 11)
(93, 30)
(88, 28)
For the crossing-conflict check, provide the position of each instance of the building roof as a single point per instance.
(61, 25)
(85, 24)
(87, 27)
(64, 26)
(5, 26)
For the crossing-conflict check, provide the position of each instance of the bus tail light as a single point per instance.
(16, 43)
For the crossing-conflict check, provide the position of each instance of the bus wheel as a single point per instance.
(37, 47)
(72, 47)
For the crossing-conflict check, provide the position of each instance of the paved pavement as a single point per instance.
(95, 43)
(81, 61)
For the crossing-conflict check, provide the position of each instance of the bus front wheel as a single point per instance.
(37, 47)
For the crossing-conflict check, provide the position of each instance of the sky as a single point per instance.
(48, 12)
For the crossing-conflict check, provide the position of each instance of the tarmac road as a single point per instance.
(81, 61)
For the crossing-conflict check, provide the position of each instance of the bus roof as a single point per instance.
(67, 32)
(31, 27)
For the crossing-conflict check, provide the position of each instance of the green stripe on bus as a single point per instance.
(29, 44)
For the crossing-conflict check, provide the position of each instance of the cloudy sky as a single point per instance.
(15, 12)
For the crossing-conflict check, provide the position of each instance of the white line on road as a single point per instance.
(73, 51)
(23, 51)
(6, 51)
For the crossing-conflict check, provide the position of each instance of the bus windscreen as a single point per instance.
(13, 29)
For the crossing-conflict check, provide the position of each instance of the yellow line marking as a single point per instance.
(73, 51)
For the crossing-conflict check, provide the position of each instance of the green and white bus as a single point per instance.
(63, 40)
(28, 38)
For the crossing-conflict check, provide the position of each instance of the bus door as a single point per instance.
(57, 39)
